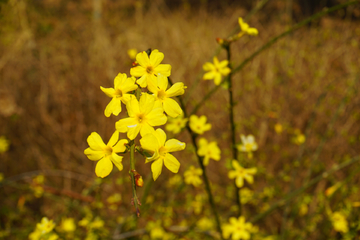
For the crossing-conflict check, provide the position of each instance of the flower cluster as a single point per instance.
(148, 101)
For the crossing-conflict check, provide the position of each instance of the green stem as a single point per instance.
(234, 150)
(132, 175)
(271, 42)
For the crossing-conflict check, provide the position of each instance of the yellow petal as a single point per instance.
(164, 69)
(171, 163)
(103, 167)
(94, 155)
(150, 142)
(117, 160)
(156, 168)
(239, 182)
(172, 108)
(119, 80)
(113, 140)
(123, 124)
(156, 57)
(143, 59)
(162, 81)
(120, 146)
(176, 90)
(173, 145)
(95, 141)
(114, 107)
(110, 92)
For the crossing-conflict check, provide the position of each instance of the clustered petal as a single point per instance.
(198, 124)
(237, 229)
(148, 67)
(240, 174)
(160, 149)
(208, 150)
(216, 70)
(105, 154)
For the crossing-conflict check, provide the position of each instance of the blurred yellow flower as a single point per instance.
(149, 67)
(248, 145)
(208, 150)
(339, 222)
(216, 70)
(192, 176)
(4, 144)
(163, 95)
(278, 128)
(106, 155)
(156, 143)
(329, 191)
(132, 52)
(246, 195)
(237, 228)
(143, 116)
(122, 85)
(198, 124)
(175, 125)
(245, 29)
(68, 225)
(205, 224)
(240, 173)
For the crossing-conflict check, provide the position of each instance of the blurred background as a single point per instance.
(55, 55)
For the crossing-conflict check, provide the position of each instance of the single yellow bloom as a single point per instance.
(208, 150)
(245, 29)
(198, 124)
(68, 225)
(132, 52)
(240, 173)
(45, 226)
(106, 155)
(237, 228)
(192, 176)
(160, 148)
(278, 128)
(149, 67)
(339, 222)
(329, 191)
(4, 144)
(299, 139)
(143, 116)
(163, 95)
(216, 70)
(248, 144)
(175, 125)
(122, 85)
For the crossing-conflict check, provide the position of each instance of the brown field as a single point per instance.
(55, 55)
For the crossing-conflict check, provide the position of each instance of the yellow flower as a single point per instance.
(175, 125)
(45, 226)
(245, 29)
(171, 107)
(329, 191)
(122, 85)
(205, 224)
(105, 154)
(246, 195)
(278, 128)
(149, 67)
(299, 139)
(68, 225)
(4, 144)
(240, 173)
(216, 70)
(248, 144)
(208, 150)
(160, 148)
(192, 176)
(237, 228)
(339, 222)
(132, 53)
(143, 116)
(199, 125)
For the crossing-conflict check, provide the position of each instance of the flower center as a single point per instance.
(248, 147)
(108, 150)
(118, 93)
(162, 151)
(141, 118)
(149, 69)
(161, 94)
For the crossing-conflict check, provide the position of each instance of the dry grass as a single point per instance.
(55, 55)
